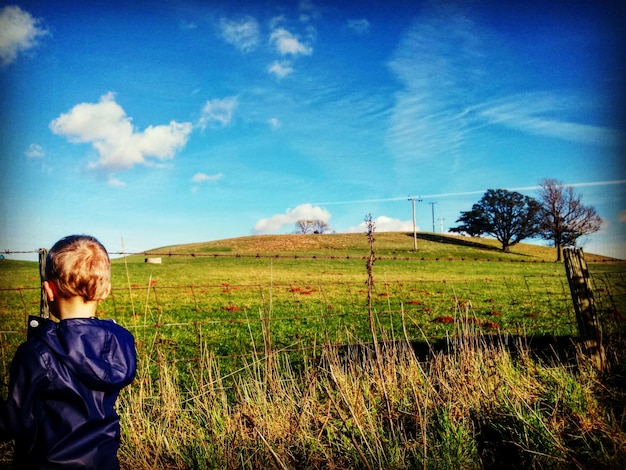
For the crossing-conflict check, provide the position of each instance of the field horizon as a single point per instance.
(388, 244)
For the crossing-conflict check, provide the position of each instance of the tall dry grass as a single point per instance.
(477, 405)
(376, 406)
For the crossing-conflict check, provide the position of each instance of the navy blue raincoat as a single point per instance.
(63, 385)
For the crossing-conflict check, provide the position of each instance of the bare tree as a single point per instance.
(319, 226)
(565, 217)
(305, 226)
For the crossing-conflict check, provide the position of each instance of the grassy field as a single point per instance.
(240, 365)
(312, 290)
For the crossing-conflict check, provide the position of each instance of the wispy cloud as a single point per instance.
(218, 111)
(112, 181)
(109, 130)
(287, 43)
(290, 44)
(204, 178)
(277, 222)
(188, 25)
(358, 26)
(19, 31)
(464, 193)
(35, 151)
(242, 33)
(280, 69)
(308, 10)
(454, 82)
(540, 113)
(440, 64)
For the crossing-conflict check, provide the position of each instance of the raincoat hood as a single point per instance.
(99, 353)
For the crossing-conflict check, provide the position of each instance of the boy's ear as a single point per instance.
(106, 294)
(50, 289)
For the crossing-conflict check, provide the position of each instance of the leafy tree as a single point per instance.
(508, 216)
(565, 218)
(473, 223)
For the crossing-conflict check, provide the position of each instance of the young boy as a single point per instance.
(66, 377)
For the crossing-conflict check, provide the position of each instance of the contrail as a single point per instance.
(465, 193)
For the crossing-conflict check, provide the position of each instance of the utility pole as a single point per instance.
(441, 225)
(414, 226)
(432, 205)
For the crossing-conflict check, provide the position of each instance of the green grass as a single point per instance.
(312, 289)
(239, 365)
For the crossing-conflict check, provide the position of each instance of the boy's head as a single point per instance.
(79, 266)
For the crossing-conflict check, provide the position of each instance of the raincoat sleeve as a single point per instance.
(21, 411)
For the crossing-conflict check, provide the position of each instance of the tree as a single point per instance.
(305, 226)
(319, 226)
(565, 218)
(473, 223)
(508, 216)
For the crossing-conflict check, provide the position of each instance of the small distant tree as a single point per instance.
(565, 218)
(508, 216)
(319, 226)
(306, 226)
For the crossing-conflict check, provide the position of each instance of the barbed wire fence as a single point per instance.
(235, 321)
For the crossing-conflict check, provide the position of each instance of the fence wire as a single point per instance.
(236, 320)
(179, 319)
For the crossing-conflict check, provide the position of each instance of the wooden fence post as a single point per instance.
(44, 308)
(589, 326)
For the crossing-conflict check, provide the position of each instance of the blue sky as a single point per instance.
(157, 123)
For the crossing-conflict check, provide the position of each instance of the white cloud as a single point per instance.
(218, 111)
(106, 126)
(274, 122)
(35, 151)
(19, 31)
(306, 6)
(203, 177)
(450, 67)
(115, 182)
(441, 63)
(188, 25)
(536, 113)
(243, 33)
(308, 10)
(276, 223)
(280, 69)
(286, 43)
(275, 21)
(359, 26)
(384, 224)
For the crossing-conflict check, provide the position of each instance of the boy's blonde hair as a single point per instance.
(79, 265)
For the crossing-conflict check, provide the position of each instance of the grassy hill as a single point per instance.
(387, 244)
